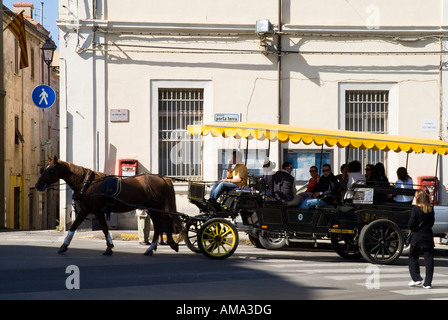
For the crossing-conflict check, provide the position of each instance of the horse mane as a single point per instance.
(75, 169)
(75, 174)
(79, 170)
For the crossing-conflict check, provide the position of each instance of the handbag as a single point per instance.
(407, 240)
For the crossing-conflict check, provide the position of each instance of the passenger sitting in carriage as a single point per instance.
(284, 185)
(326, 192)
(268, 173)
(236, 178)
(404, 182)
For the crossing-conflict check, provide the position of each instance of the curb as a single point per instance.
(100, 236)
(131, 236)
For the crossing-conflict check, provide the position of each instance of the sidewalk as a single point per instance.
(122, 235)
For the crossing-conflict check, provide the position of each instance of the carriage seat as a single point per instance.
(238, 191)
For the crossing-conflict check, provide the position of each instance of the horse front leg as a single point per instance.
(109, 243)
(68, 239)
(155, 237)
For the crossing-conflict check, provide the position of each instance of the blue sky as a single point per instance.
(50, 14)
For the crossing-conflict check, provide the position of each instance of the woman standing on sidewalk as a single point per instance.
(420, 225)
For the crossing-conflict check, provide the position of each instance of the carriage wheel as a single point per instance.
(272, 243)
(381, 241)
(191, 234)
(254, 240)
(218, 238)
(345, 246)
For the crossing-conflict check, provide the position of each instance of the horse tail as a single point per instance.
(171, 206)
(171, 203)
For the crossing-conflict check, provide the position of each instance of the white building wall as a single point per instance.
(115, 56)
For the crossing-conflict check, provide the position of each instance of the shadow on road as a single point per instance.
(38, 272)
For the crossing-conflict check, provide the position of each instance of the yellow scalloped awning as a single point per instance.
(339, 138)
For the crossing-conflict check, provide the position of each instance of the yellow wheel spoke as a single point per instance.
(225, 251)
(225, 233)
(208, 234)
(212, 244)
(216, 229)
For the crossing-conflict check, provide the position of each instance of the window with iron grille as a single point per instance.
(366, 111)
(180, 155)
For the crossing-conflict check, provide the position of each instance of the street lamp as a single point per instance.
(48, 51)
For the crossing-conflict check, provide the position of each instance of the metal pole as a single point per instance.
(436, 184)
(321, 157)
(2, 129)
(279, 74)
(247, 152)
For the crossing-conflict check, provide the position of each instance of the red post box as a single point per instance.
(127, 167)
(432, 185)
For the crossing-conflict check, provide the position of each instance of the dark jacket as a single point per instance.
(329, 186)
(422, 235)
(282, 184)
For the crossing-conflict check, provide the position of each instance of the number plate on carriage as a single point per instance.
(344, 231)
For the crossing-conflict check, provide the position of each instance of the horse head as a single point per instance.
(49, 174)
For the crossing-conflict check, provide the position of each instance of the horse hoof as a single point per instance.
(108, 252)
(175, 247)
(63, 248)
(149, 253)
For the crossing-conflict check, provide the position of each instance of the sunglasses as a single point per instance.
(326, 170)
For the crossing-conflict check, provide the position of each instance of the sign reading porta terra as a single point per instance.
(227, 117)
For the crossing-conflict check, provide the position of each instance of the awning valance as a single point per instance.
(339, 138)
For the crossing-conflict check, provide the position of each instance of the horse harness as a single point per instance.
(112, 188)
(85, 184)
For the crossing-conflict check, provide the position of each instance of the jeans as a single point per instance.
(309, 202)
(219, 187)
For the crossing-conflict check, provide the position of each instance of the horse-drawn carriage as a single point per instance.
(357, 226)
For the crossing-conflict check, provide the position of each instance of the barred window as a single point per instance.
(366, 111)
(180, 155)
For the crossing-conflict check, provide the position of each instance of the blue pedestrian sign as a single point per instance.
(43, 96)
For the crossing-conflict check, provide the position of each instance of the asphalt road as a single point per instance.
(31, 268)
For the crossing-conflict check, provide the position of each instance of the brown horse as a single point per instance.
(97, 193)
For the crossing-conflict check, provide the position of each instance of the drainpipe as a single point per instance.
(279, 61)
(2, 129)
(443, 87)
